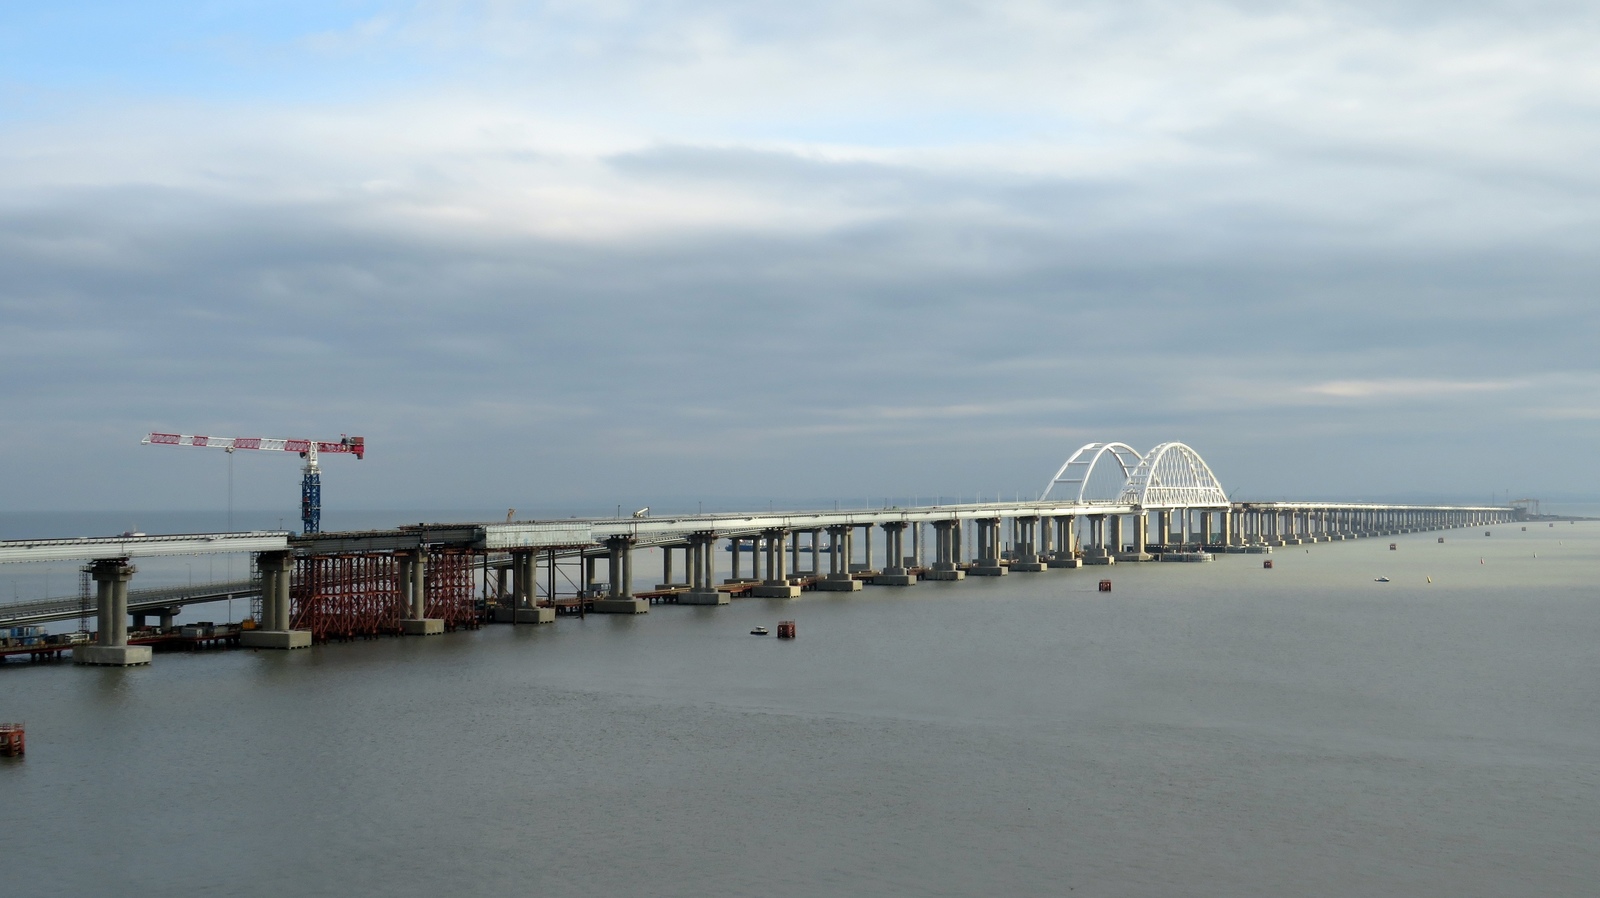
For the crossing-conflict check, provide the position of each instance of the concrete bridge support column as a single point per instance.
(1097, 552)
(1025, 559)
(111, 647)
(776, 585)
(988, 561)
(620, 598)
(535, 613)
(1132, 540)
(734, 549)
(417, 622)
(894, 572)
(1064, 554)
(164, 617)
(946, 538)
(915, 558)
(700, 559)
(816, 553)
(839, 579)
(525, 590)
(864, 566)
(666, 567)
(778, 541)
(402, 581)
(591, 581)
(276, 573)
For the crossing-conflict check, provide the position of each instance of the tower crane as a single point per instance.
(311, 479)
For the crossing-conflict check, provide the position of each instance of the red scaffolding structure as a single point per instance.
(450, 594)
(341, 597)
(346, 596)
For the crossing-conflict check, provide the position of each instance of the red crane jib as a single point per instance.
(356, 446)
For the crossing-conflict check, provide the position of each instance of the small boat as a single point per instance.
(1380, 579)
(759, 631)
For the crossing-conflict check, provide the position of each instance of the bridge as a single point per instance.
(1107, 504)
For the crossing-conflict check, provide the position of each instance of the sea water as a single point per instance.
(1214, 729)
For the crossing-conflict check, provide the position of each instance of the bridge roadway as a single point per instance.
(105, 548)
(160, 601)
(1165, 503)
(498, 545)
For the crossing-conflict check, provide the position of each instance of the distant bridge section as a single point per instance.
(100, 548)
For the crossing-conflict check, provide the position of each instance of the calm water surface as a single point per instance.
(1217, 730)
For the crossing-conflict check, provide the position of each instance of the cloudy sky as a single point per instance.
(586, 253)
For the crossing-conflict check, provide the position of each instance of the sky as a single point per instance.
(572, 255)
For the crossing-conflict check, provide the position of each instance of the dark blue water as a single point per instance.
(1204, 729)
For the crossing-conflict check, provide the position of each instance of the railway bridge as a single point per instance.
(1107, 504)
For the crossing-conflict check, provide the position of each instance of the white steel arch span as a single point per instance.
(1075, 471)
(1173, 475)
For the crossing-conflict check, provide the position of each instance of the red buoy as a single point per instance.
(13, 741)
(786, 629)
(1105, 585)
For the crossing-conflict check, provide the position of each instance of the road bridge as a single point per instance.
(1108, 503)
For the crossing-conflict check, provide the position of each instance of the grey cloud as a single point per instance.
(511, 369)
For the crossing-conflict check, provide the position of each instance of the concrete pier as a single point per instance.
(894, 572)
(620, 599)
(840, 541)
(946, 551)
(1026, 558)
(777, 585)
(988, 563)
(277, 569)
(525, 607)
(702, 573)
(414, 583)
(111, 647)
